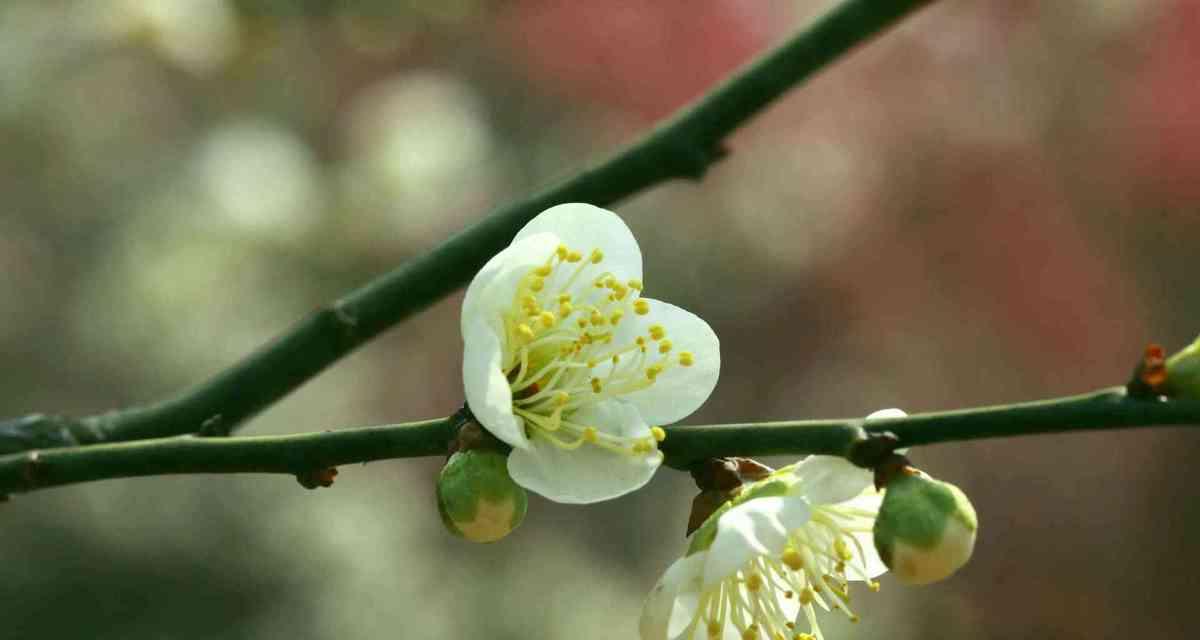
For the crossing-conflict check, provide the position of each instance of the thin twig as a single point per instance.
(299, 454)
(682, 147)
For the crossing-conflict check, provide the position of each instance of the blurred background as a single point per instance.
(995, 202)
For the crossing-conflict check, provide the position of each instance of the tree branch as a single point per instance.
(682, 147)
(305, 453)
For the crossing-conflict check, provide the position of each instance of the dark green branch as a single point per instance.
(301, 454)
(682, 147)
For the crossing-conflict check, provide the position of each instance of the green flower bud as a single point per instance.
(1183, 372)
(926, 528)
(476, 497)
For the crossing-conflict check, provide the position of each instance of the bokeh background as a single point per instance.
(995, 202)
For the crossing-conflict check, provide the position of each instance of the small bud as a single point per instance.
(477, 498)
(926, 528)
(1183, 372)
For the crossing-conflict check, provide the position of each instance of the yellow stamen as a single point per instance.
(561, 252)
(686, 359)
(589, 435)
(793, 559)
(641, 307)
(635, 284)
(664, 346)
(547, 319)
(659, 433)
(652, 371)
(597, 256)
(543, 270)
(754, 582)
(537, 284)
(574, 256)
(525, 331)
(657, 332)
(596, 388)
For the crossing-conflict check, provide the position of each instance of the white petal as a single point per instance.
(887, 413)
(587, 474)
(672, 602)
(584, 227)
(679, 390)
(754, 528)
(831, 479)
(493, 289)
(488, 393)
(868, 500)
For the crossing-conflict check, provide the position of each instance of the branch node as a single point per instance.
(214, 427)
(1149, 380)
(873, 450)
(29, 469)
(317, 477)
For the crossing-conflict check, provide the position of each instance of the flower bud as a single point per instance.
(1183, 372)
(926, 528)
(476, 497)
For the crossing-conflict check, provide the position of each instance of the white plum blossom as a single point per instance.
(761, 566)
(568, 363)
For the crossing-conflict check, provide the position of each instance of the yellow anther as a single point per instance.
(616, 316)
(585, 338)
(754, 582)
(635, 284)
(789, 624)
(619, 291)
(598, 320)
(525, 331)
(582, 322)
(547, 319)
(842, 551)
(641, 307)
(529, 300)
(806, 636)
(714, 629)
(597, 256)
(589, 435)
(659, 433)
(564, 297)
(854, 618)
(806, 596)
(565, 309)
(574, 256)
(561, 252)
(641, 446)
(873, 585)
(537, 284)
(789, 594)
(793, 559)
(543, 270)
(653, 370)
(561, 398)
(686, 358)
(664, 346)
(640, 341)
(751, 633)
(657, 332)
(616, 359)
(591, 364)
(596, 385)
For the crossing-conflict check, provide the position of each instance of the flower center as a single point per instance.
(561, 354)
(763, 599)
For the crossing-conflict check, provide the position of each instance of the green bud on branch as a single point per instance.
(926, 528)
(476, 497)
